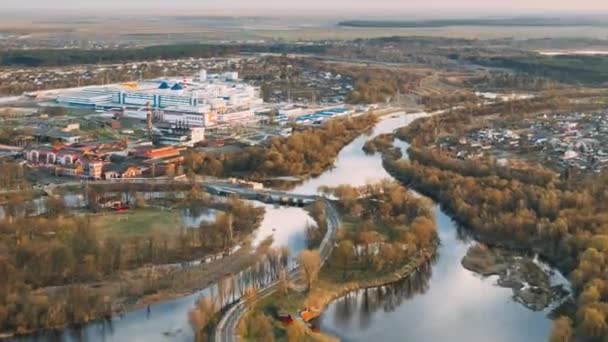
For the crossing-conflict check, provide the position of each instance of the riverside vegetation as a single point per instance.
(562, 219)
(91, 273)
(305, 153)
(387, 233)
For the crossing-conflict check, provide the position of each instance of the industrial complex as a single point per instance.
(203, 101)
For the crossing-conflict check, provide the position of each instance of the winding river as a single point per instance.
(445, 302)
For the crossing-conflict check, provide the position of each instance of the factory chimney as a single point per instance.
(149, 120)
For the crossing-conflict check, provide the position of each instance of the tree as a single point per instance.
(424, 229)
(140, 200)
(201, 315)
(310, 261)
(296, 331)
(593, 322)
(562, 330)
(343, 255)
(258, 327)
(55, 206)
(193, 161)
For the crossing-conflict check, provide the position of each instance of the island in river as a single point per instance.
(530, 284)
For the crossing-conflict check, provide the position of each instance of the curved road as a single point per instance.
(226, 328)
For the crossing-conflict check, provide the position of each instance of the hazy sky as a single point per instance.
(306, 7)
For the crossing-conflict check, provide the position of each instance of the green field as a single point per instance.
(137, 222)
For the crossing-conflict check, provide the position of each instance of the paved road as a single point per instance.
(226, 330)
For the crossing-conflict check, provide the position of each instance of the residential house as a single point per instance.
(92, 169)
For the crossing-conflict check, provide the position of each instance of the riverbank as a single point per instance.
(103, 265)
(329, 288)
(151, 285)
(530, 284)
(503, 246)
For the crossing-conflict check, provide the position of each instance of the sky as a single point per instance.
(360, 8)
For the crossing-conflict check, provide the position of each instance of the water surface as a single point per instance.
(445, 302)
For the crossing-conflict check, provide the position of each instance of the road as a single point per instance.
(226, 330)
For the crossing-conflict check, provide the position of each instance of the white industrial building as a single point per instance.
(205, 100)
(200, 116)
(178, 135)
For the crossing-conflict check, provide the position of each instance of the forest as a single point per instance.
(385, 225)
(384, 229)
(54, 57)
(378, 84)
(78, 254)
(305, 153)
(563, 220)
(566, 69)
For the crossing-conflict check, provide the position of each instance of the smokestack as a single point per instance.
(149, 120)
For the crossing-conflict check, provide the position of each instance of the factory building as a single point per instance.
(211, 99)
(319, 116)
(200, 116)
(179, 134)
(92, 97)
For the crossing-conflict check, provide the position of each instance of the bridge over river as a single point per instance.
(216, 187)
(266, 196)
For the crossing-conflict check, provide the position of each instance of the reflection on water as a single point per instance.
(168, 321)
(193, 217)
(458, 306)
(353, 166)
(447, 304)
(357, 309)
(286, 226)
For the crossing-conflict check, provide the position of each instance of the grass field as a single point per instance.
(137, 222)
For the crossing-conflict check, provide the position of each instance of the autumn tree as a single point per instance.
(257, 327)
(562, 330)
(201, 315)
(296, 331)
(310, 262)
(343, 255)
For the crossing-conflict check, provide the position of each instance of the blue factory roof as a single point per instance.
(164, 85)
(177, 86)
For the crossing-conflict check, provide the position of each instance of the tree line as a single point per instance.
(271, 265)
(39, 295)
(57, 57)
(385, 226)
(565, 222)
(305, 153)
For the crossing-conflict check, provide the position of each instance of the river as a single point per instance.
(447, 302)
(168, 321)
